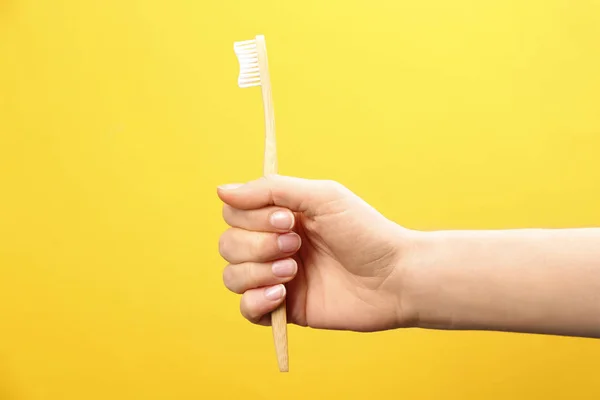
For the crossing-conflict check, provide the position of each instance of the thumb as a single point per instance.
(295, 194)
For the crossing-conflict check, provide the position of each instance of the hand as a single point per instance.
(333, 257)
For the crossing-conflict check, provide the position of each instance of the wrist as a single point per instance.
(409, 246)
(418, 283)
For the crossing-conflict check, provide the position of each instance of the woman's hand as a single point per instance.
(333, 257)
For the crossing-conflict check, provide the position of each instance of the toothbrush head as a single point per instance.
(248, 56)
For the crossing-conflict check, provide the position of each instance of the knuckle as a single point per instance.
(223, 245)
(227, 212)
(229, 278)
(248, 309)
(228, 245)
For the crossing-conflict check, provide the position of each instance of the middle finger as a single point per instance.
(238, 245)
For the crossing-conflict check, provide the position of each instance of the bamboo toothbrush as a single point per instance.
(254, 71)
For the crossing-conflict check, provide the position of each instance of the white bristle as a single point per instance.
(247, 56)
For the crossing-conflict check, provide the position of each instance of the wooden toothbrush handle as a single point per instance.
(279, 316)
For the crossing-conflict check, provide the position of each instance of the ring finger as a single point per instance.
(242, 277)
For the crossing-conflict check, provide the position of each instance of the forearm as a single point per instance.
(533, 281)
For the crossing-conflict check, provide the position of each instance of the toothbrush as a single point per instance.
(254, 71)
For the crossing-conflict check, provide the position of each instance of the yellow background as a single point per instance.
(118, 118)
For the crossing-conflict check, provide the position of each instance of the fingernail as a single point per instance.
(282, 220)
(288, 242)
(275, 292)
(284, 268)
(230, 186)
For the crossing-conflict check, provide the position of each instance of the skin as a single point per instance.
(340, 264)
